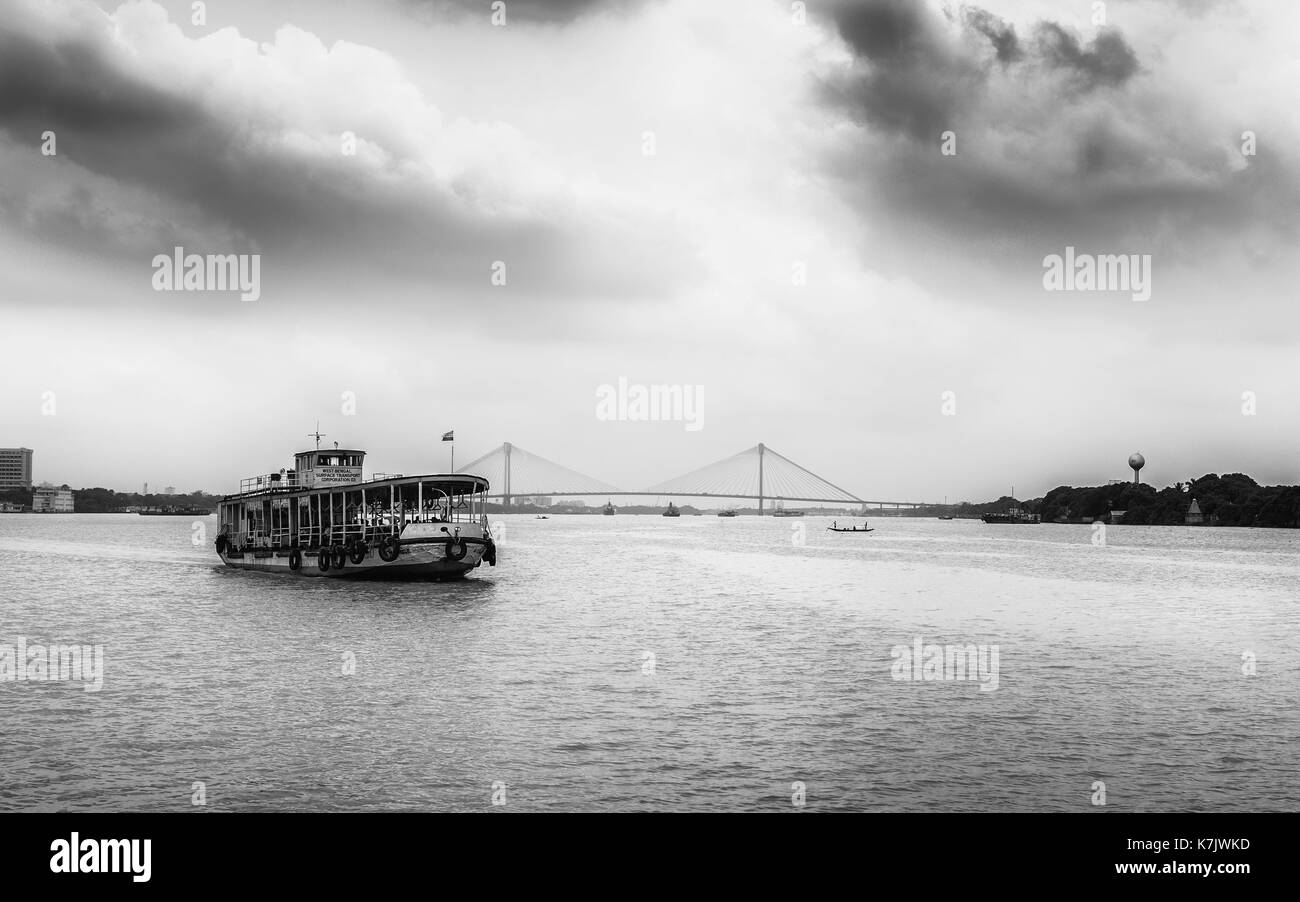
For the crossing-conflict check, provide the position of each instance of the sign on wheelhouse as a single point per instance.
(324, 518)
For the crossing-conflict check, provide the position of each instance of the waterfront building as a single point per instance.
(46, 499)
(15, 468)
(1194, 515)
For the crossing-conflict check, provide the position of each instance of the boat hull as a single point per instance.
(421, 555)
(422, 561)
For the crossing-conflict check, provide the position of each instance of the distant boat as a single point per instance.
(672, 511)
(780, 511)
(542, 517)
(609, 510)
(176, 512)
(729, 512)
(1013, 515)
(947, 517)
(835, 527)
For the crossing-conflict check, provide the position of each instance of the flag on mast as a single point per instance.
(449, 436)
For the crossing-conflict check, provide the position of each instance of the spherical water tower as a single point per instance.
(1137, 462)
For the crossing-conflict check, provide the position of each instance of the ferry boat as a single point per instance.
(782, 511)
(323, 518)
(169, 511)
(729, 512)
(609, 510)
(672, 511)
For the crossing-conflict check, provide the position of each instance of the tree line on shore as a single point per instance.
(1233, 499)
(106, 501)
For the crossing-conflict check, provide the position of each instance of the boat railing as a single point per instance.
(368, 529)
(269, 481)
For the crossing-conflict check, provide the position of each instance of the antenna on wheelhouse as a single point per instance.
(318, 435)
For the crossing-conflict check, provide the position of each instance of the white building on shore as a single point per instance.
(46, 499)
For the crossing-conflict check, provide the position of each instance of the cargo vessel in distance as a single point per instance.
(322, 518)
(1012, 515)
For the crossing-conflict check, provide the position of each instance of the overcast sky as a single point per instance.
(784, 145)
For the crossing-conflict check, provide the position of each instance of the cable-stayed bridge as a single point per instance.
(758, 473)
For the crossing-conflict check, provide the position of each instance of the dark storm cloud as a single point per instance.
(907, 79)
(885, 30)
(1059, 140)
(914, 75)
(1001, 35)
(1107, 60)
(56, 85)
(208, 175)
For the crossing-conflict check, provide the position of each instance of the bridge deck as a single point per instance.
(839, 501)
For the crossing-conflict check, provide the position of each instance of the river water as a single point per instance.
(644, 663)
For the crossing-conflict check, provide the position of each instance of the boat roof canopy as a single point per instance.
(453, 484)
